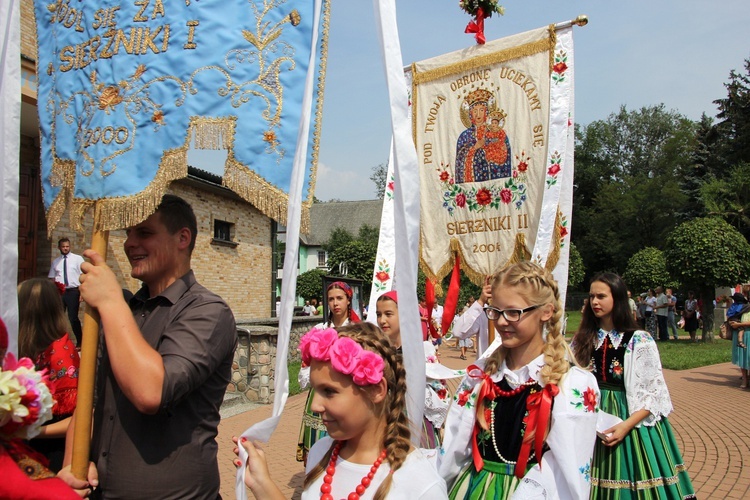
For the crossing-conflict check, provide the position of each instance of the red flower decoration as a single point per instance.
(554, 169)
(560, 67)
(60, 287)
(463, 397)
(563, 231)
(382, 276)
(523, 166)
(391, 185)
(461, 200)
(505, 195)
(484, 197)
(442, 393)
(444, 176)
(589, 399)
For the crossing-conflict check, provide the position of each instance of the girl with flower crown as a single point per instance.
(340, 313)
(43, 328)
(436, 394)
(638, 457)
(360, 388)
(523, 420)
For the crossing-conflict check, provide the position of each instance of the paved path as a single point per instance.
(711, 419)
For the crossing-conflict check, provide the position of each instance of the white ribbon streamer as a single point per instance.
(262, 430)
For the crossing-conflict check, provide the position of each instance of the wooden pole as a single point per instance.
(87, 376)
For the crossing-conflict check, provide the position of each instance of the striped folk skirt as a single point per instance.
(311, 430)
(496, 481)
(647, 464)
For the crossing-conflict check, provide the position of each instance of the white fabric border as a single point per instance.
(386, 245)
(262, 430)
(556, 142)
(10, 144)
(406, 210)
(565, 41)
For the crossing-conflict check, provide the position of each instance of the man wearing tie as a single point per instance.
(66, 269)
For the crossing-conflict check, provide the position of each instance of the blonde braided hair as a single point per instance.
(396, 439)
(536, 285)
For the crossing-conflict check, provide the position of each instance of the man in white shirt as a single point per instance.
(661, 311)
(473, 321)
(633, 307)
(66, 269)
(671, 310)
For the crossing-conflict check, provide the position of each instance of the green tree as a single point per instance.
(695, 174)
(357, 257)
(646, 269)
(339, 237)
(627, 191)
(734, 116)
(729, 197)
(705, 253)
(310, 284)
(369, 234)
(380, 177)
(576, 269)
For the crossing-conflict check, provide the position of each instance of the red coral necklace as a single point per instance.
(513, 392)
(325, 488)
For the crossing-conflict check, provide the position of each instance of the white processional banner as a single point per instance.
(489, 178)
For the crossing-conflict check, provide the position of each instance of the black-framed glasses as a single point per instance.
(511, 315)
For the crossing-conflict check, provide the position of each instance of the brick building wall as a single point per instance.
(28, 29)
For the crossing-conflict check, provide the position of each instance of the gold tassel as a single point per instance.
(554, 255)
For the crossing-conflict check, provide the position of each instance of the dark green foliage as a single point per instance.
(646, 269)
(705, 253)
(339, 237)
(358, 257)
(310, 284)
(576, 269)
(626, 190)
(379, 177)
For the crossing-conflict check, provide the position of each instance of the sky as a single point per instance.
(636, 53)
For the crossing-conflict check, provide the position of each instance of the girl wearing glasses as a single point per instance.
(523, 422)
(638, 457)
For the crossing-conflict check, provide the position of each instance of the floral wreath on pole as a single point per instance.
(480, 10)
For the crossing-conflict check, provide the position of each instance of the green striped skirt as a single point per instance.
(495, 481)
(647, 464)
(311, 430)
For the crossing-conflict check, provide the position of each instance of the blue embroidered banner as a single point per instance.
(125, 86)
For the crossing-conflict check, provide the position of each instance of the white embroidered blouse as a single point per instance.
(564, 472)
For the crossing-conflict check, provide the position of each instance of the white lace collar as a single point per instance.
(615, 338)
(530, 371)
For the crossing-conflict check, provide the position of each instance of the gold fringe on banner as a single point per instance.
(526, 49)
(520, 253)
(127, 211)
(554, 255)
(318, 117)
(213, 133)
(63, 175)
(267, 198)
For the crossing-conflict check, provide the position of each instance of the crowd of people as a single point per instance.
(527, 420)
(532, 417)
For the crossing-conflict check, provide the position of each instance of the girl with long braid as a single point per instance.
(637, 458)
(360, 390)
(523, 421)
(340, 313)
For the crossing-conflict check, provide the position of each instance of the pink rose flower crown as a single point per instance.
(345, 355)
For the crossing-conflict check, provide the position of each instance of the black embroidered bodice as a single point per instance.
(609, 363)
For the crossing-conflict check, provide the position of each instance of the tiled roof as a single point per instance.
(349, 215)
